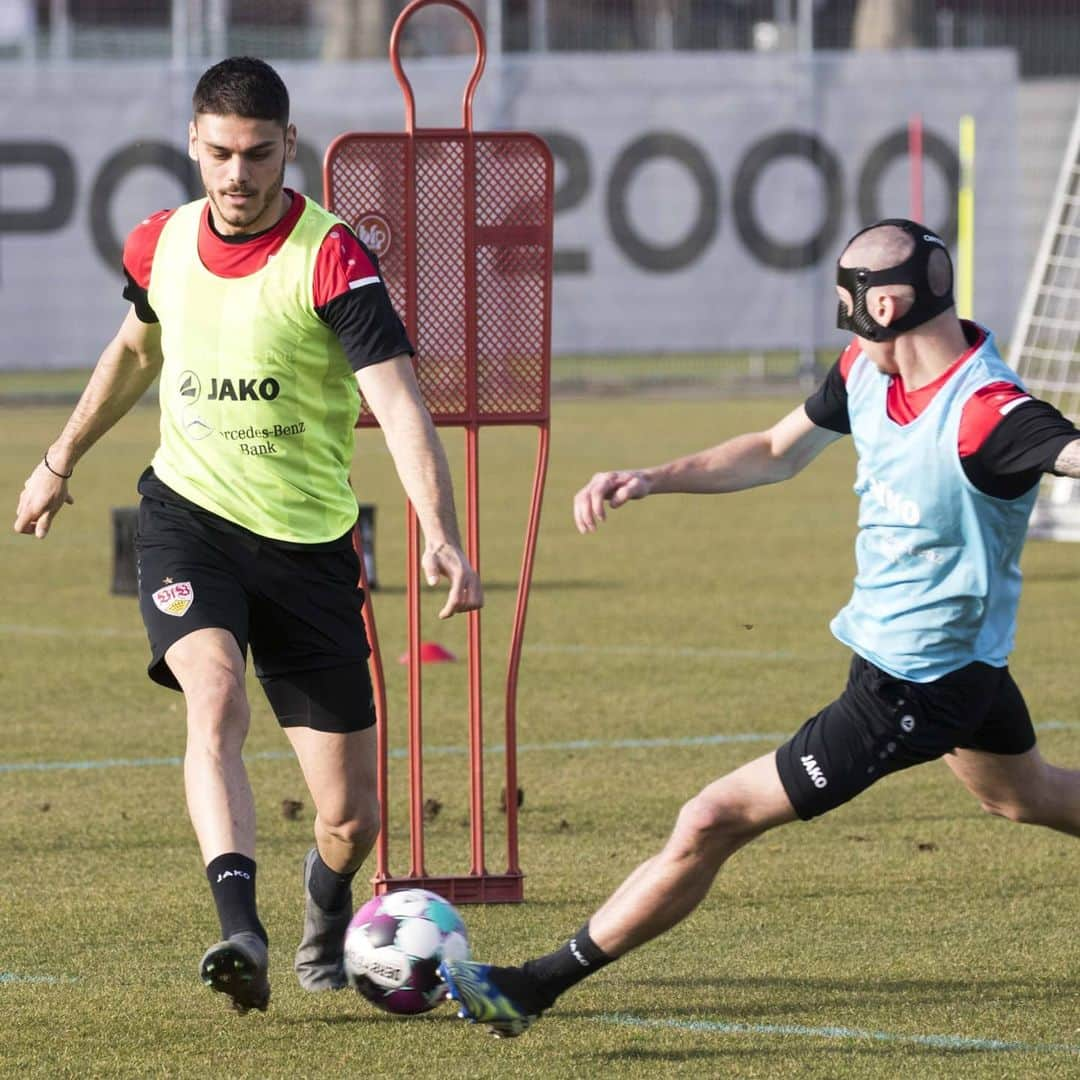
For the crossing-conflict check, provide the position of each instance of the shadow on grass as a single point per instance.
(673, 1057)
(369, 1016)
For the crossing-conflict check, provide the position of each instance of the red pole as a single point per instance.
(524, 582)
(378, 686)
(416, 724)
(476, 712)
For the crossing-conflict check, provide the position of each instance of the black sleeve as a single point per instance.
(1031, 436)
(137, 295)
(827, 405)
(1023, 445)
(367, 325)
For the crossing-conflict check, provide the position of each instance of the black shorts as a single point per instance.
(881, 724)
(298, 609)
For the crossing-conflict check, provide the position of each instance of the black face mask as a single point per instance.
(858, 280)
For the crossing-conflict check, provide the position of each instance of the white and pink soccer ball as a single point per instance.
(394, 945)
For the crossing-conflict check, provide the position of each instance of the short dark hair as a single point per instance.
(242, 86)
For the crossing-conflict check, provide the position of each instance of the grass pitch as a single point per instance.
(907, 933)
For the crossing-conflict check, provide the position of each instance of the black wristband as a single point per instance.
(61, 475)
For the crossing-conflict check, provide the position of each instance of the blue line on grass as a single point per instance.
(714, 652)
(941, 1042)
(451, 751)
(123, 763)
(400, 752)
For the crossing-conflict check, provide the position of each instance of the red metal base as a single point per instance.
(465, 889)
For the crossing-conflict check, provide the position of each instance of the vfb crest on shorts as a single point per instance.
(175, 599)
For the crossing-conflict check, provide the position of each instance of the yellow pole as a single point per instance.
(965, 234)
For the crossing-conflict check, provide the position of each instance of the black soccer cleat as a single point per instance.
(238, 967)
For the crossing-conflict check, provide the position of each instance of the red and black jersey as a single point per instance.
(348, 292)
(1007, 438)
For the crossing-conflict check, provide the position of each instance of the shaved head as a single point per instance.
(878, 249)
(892, 278)
(887, 246)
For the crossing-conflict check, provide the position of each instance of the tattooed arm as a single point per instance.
(1068, 461)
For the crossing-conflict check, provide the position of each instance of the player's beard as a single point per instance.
(241, 217)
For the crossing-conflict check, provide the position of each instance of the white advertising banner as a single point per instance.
(701, 199)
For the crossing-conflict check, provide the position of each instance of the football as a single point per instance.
(394, 945)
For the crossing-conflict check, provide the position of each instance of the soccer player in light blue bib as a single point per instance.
(950, 451)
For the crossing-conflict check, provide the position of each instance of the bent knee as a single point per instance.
(356, 828)
(218, 723)
(1022, 811)
(707, 819)
(218, 698)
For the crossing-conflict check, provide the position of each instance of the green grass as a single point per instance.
(908, 913)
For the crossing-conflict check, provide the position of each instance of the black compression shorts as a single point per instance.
(881, 724)
(298, 610)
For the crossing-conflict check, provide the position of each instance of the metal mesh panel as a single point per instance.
(367, 177)
(441, 254)
(365, 180)
(511, 277)
(478, 312)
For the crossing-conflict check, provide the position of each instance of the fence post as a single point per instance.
(805, 28)
(217, 36)
(59, 30)
(180, 23)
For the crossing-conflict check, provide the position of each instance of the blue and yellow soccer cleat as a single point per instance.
(481, 1001)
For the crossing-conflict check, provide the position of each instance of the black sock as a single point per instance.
(232, 881)
(329, 889)
(555, 973)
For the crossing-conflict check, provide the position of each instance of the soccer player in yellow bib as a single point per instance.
(263, 314)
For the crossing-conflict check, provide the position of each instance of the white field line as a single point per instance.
(606, 745)
(940, 1042)
(14, 977)
(962, 1043)
(704, 652)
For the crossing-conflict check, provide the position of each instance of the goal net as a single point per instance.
(1045, 348)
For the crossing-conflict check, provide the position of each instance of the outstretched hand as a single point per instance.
(43, 496)
(613, 488)
(449, 561)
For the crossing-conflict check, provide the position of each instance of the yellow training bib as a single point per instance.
(258, 402)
